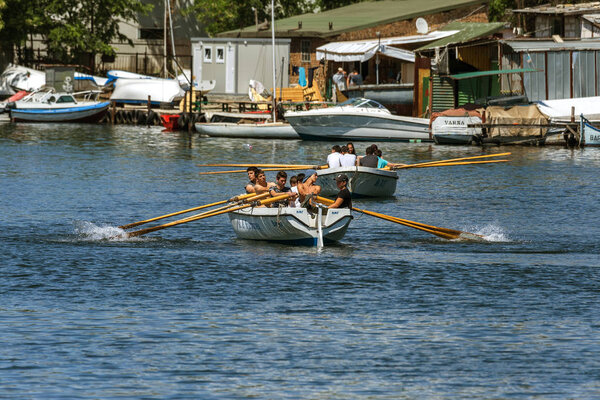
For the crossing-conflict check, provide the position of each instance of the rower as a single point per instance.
(381, 163)
(252, 178)
(344, 199)
(280, 188)
(308, 188)
(333, 160)
(370, 160)
(262, 185)
(347, 159)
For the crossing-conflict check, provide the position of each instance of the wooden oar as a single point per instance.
(206, 215)
(441, 232)
(236, 171)
(452, 160)
(233, 199)
(447, 164)
(262, 165)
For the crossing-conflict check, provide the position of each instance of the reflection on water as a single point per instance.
(389, 312)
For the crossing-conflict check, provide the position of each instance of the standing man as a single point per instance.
(343, 200)
(333, 160)
(339, 78)
(354, 79)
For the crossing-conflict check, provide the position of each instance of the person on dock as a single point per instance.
(252, 178)
(347, 159)
(369, 160)
(354, 79)
(333, 159)
(280, 188)
(339, 78)
(308, 189)
(261, 185)
(344, 199)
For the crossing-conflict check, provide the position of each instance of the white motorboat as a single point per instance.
(47, 105)
(266, 130)
(358, 119)
(454, 129)
(137, 91)
(362, 181)
(291, 225)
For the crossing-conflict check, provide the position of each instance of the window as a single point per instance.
(151, 33)
(305, 49)
(220, 55)
(208, 54)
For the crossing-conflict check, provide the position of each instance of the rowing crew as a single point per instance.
(345, 156)
(303, 188)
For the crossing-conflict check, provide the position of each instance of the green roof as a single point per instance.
(354, 17)
(468, 31)
(476, 74)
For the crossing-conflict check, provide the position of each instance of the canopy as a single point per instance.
(364, 50)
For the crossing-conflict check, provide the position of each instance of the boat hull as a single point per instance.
(254, 131)
(137, 91)
(362, 181)
(289, 225)
(356, 127)
(83, 113)
(590, 135)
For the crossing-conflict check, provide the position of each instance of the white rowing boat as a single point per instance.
(362, 181)
(291, 225)
(590, 135)
(267, 130)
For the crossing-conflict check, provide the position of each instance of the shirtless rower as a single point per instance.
(280, 188)
(262, 186)
(308, 187)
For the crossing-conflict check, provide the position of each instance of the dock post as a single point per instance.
(113, 112)
(149, 110)
(190, 112)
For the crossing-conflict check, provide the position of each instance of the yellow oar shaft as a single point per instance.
(441, 232)
(455, 159)
(243, 170)
(237, 198)
(254, 197)
(205, 215)
(259, 165)
(448, 164)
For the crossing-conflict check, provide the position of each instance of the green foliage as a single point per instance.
(223, 15)
(325, 5)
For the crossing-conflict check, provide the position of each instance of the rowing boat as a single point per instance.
(291, 225)
(590, 135)
(362, 181)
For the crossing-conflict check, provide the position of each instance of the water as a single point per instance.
(388, 313)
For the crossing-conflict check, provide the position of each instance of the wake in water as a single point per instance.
(89, 231)
(490, 233)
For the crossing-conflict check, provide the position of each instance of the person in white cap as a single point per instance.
(339, 78)
(344, 199)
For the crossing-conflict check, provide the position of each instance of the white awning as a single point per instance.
(363, 50)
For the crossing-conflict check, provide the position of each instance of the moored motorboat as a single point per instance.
(138, 90)
(362, 181)
(47, 105)
(358, 119)
(291, 225)
(267, 130)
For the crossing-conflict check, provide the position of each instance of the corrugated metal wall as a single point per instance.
(559, 76)
(534, 82)
(443, 94)
(584, 74)
(510, 83)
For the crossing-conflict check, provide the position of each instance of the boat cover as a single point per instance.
(518, 115)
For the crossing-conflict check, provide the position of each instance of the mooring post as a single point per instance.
(149, 110)
(191, 115)
(113, 112)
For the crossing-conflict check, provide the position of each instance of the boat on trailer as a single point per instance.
(291, 225)
(47, 105)
(362, 181)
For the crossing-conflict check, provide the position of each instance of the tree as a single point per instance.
(223, 15)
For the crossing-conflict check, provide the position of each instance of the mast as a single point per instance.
(165, 40)
(273, 50)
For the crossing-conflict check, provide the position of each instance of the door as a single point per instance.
(230, 67)
(197, 70)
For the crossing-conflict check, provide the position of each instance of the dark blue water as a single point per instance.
(390, 312)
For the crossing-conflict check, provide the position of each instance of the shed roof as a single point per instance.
(564, 9)
(467, 31)
(520, 46)
(354, 17)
